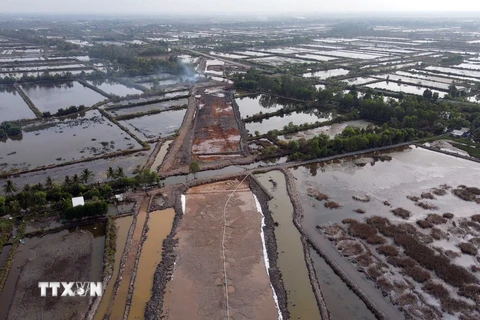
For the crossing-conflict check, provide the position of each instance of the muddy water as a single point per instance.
(341, 301)
(117, 309)
(123, 226)
(115, 88)
(159, 224)
(53, 96)
(158, 125)
(160, 155)
(410, 172)
(27, 252)
(12, 106)
(291, 261)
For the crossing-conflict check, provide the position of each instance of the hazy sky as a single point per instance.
(230, 6)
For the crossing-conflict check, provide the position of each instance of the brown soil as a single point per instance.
(197, 290)
(66, 257)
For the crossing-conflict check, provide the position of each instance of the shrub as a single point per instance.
(374, 272)
(448, 215)
(435, 218)
(426, 205)
(384, 284)
(404, 262)
(359, 211)
(361, 230)
(406, 228)
(364, 260)
(400, 212)
(417, 273)
(407, 298)
(424, 224)
(464, 194)
(452, 305)
(413, 198)
(436, 289)
(349, 221)
(387, 230)
(439, 192)
(474, 190)
(468, 248)
(387, 250)
(89, 209)
(470, 291)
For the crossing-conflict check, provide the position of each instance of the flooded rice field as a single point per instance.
(123, 226)
(291, 261)
(130, 163)
(53, 142)
(12, 106)
(342, 302)
(69, 254)
(278, 122)
(159, 125)
(159, 226)
(250, 105)
(410, 172)
(115, 88)
(326, 73)
(330, 130)
(53, 96)
(164, 105)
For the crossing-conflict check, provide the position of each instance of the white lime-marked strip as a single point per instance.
(265, 255)
(183, 199)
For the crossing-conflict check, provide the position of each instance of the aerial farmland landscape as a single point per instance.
(250, 166)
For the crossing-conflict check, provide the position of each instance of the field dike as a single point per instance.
(276, 280)
(29, 102)
(291, 188)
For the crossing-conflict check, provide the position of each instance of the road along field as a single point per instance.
(198, 288)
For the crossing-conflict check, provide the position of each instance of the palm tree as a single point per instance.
(111, 173)
(10, 187)
(67, 180)
(86, 176)
(119, 172)
(49, 183)
(27, 187)
(75, 179)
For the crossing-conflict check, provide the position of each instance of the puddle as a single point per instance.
(161, 155)
(160, 225)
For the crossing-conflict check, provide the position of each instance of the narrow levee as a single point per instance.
(291, 261)
(123, 225)
(117, 308)
(159, 226)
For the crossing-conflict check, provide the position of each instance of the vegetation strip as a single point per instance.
(29, 102)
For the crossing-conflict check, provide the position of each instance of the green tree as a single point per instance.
(40, 198)
(49, 183)
(194, 168)
(3, 209)
(119, 173)
(9, 187)
(86, 176)
(111, 173)
(146, 177)
(14, 206)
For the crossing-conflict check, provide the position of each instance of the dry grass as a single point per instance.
(364, 260)
(403, 262)
(376, 239)
(417, 273)
(439, 192)
(413, 198)
(407, 298)
(471, 291)
(374, 272)
(377, 221)
(468, 248)
(384, 284)
(359, 211)
(361, 230)
(448, 215)
(438, 234)
(435, 218)
(331, 205)
(475, 217)
(426, 205)
(436, 289)
(427, 195)
(316, 194)
(452, 254)
(465, 193)
(402, 213)
(350, 248)
(424, 224)
(387, 250)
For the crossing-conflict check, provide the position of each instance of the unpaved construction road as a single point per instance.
(197, 289)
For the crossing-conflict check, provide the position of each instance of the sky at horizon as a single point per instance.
(234, 6)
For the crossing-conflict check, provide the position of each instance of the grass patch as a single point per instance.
(400, 212)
